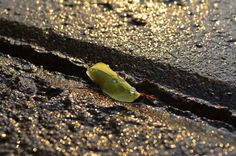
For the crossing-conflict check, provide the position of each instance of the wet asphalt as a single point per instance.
(183, 52)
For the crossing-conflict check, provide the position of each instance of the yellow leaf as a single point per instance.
(111, 83)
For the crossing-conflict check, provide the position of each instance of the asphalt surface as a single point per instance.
(182, 52)
(45, 113)
(175, 41)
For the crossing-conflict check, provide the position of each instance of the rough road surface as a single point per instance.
(44, 113)
(182, 51)
(185, 45)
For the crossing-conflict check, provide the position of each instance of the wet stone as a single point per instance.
(27, 86)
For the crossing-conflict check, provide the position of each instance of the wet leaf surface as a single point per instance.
(111, 83)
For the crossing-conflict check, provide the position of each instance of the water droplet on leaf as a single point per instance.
(132, 91)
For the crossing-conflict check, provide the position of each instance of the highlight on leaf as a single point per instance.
(111, 83)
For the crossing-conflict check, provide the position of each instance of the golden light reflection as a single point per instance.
(101, 123)
(108, 22)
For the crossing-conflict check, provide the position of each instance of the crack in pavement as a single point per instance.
(167, 96)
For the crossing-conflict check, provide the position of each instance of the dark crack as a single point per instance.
(193, 84)
(170, 98)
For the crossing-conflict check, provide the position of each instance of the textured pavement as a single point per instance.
(190, 42)
(183, 52)
(44, 113)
